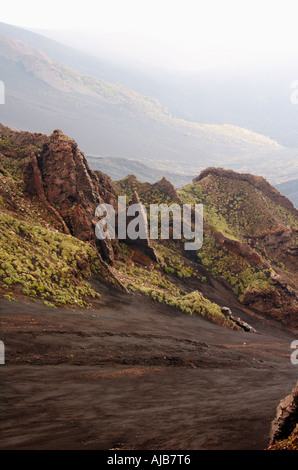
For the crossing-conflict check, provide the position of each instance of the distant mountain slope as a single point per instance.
(58, 52)
(118, 168)
(289, 189)
(110, 119)
(254, 96)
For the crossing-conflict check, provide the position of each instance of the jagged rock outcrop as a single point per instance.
(24, 138)
(59, 174)
(286, 419)
(32, 173)
(281, 240)
(142, 244)
(280, 302)
(107, 189)
(168, 189)
(239, 248)
(243, 325)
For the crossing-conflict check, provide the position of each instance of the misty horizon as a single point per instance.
(191, 36)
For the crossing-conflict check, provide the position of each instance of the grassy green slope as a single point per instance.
(243, 213)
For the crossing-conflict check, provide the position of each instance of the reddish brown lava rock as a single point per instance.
(60, 175)
(165, 187)
(239, 248)
(286, 418)
(142, 245)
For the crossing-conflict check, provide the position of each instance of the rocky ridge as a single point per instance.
(256, 181)
(56, 172)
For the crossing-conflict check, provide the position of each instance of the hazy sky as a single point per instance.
(178, 33)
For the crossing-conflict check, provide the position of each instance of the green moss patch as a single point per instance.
(44, 264)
